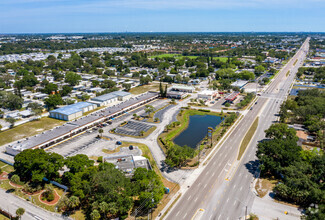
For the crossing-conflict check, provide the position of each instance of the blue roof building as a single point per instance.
(73, 111)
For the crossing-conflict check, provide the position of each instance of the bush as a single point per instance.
(227, 104)
(204, 110)
(50, 197)
(15, 179)
(100, 159)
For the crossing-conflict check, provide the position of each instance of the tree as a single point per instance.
(127, 86)
(141, 133)
(72, 78)
(49, 88)
(161, 90)
(65, 90)
(259, 69)
(177, 155)
(85, 97)
(95, 215)
(100, 131)
(149, 109)
(78, 163)
(34, 165)
(74, 202)
(11, 121)
(10, 100)
(36, 108)
(15, 179)
(281, 130)
(148, 185)
(53, 100)
(20, 212)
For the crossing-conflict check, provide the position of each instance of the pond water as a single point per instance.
(196, 130)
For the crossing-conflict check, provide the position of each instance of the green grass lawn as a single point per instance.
(28, 129)
(145, 88)
(2, 217)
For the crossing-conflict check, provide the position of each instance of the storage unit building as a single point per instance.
(73, 111)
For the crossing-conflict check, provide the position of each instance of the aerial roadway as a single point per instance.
(223, 189)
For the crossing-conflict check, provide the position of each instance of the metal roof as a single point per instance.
(71, 109)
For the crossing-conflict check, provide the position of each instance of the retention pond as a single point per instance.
(197, 129)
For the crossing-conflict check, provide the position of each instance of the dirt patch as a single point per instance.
(32, 194)
(4, 176)
(263, 186)
(56, 198)
(15, 185)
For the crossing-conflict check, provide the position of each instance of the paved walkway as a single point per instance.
(267, 209)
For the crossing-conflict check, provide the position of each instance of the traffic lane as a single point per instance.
(239, 187)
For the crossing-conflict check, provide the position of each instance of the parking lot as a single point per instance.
(133, 128)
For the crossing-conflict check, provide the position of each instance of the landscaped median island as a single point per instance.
(248, 136)
(182, 156)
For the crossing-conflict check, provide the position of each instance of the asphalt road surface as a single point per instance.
(223, 189)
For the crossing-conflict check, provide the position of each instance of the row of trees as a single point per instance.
(300, 172)
(101, 191)
(307, 108)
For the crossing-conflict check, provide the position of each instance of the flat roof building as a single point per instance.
(111, 98)
(239, 83)
(183, 88)
(207, 94)
(73, 111)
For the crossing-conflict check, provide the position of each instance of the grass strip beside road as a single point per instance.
(250, 133)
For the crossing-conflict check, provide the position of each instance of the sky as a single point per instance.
(82, 16)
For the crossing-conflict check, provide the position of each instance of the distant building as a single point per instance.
(183, 88)
(71, 112)
(110, 98)
(207, 94)
(239, 83)
(128, 163)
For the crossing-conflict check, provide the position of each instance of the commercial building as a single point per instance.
(232, 96)
(73, 111)
(111, 98)
(183, 88)
(70, 129)
(207, 94)
(239, 83)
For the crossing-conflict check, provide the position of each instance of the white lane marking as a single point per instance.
(210, 217)
(205, 185)
(189, 197)
(219, 217)
(227, 200)
(185, 215)
(241, 188)
(177, 213)
(195, 199)
(199, 184)
(235, 202)
(213, 173)
(207, 173)
(234, 186)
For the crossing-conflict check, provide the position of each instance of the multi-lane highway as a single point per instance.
(223, 189)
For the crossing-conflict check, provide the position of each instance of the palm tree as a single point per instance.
(101, 131)
(20, 212)
(141, 133)
(149, 109)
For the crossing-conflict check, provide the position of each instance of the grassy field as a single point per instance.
(28, 129)
(2, 217)
(6, 168)
(250, 133)
(145, 88)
